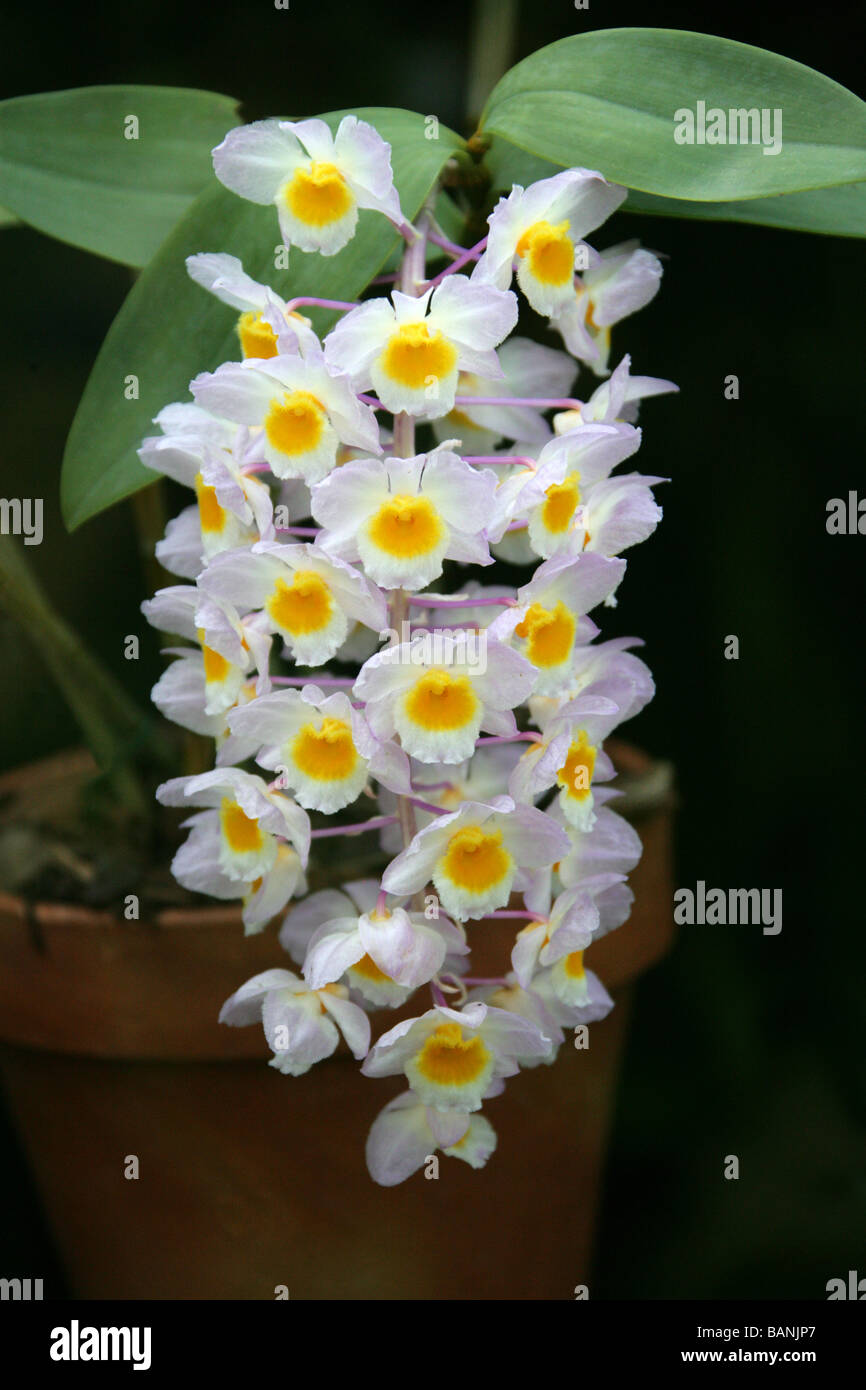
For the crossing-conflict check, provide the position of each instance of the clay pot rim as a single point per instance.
(74, 976)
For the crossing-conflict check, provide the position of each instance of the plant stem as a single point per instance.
(356, 828)
(313, 679)
(427, 806)
(509, 738)
(148, 509)
(445, 601)
(539, 402)
(505, 912)
(472, 254)
(307, 299)
(491, 50)
(112, 723)
(410, 280)
(504, 459)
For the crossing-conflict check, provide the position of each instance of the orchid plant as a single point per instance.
(320, 533)
(389, 422)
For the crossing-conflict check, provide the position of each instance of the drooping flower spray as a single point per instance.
(474, 729)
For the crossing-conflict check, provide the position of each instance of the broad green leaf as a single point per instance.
(607, 100)
(75, 165)
(507, 165)
(7, 219)
(836, 211)
(169, 329)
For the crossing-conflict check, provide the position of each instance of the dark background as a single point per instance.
(742, 1043)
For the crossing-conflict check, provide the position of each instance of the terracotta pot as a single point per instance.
(250, 1180)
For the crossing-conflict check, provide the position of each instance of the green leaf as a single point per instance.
(836, 211)
(7, 219)
(607, 100)
(70, 167)
(169, 329)
(508, 165)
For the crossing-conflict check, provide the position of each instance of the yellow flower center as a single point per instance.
(326, 754)
(549, 634)
(550, 251)
(303, 606)
(450, 1059)
(576, 773)
(505, 995)
(460, 420)
(368, 968)
(216, 668)
(241, 832)
(532, 926)
(211, 515)
(560, 504)
(294, 425)
(450, 798)
(318, 195)
(258, 339)
(442, 701)
(475, 860)
(414, 356)
(406, 526)
(468, 384)
(573, 965)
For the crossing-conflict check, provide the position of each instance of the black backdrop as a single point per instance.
(742, 1043)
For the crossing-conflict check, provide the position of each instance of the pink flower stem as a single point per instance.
(539, 402)
(426, 805)
(256, 468)
(432, 601)
(463, 259)
(505, 459)
(432, 787)
(509, 738)
(355, 828)
(507, 912)
(438, 996)
(452, 627)
(383, 279)
(380, 908)
(297, 530)
(312, 679)
(517, 525)
(453, 249)
(371, 401)
(409, 233)
(320, 303)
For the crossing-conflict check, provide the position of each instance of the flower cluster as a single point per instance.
(477, 719)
